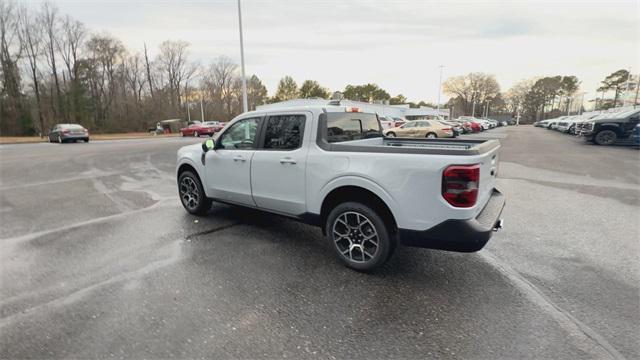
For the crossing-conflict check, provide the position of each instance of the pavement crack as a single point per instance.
(211, 231)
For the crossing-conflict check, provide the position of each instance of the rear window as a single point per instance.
(349, 126)
(73, 127)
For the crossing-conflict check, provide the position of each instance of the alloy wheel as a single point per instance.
(606, 137)
(189, 193)
(356, 237)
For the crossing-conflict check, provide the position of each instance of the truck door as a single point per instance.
(228, 168)
(278, 177)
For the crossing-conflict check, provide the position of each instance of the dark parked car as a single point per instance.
(607, 129)
(635, 135)
(68, 132)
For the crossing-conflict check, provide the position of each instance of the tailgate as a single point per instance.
(488, 174)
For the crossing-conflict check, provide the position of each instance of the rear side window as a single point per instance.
(352, 126)
(284, 132)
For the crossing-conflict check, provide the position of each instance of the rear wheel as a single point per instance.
(431, 135)
(195, 134)
(605, 137)
(359, 236)
(192, 194)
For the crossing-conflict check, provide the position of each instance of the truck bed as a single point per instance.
(415, 146)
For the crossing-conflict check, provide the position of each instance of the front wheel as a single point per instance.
(605, 137)
(192, 194)
(195, 134)
(359, 236)
(391, 134)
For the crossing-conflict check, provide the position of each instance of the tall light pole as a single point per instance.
(440, 88)
(244, 78)
(473, 108)
(201, 108)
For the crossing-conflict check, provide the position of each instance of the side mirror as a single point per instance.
(208, 144)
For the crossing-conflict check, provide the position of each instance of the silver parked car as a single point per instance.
(68, 132)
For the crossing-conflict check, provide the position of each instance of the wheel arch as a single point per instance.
(610, 126)
(346, 193)
(188, 166)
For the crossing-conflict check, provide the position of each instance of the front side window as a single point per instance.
(352, 126)
(284, 132)
(241, 135)
(409, 125)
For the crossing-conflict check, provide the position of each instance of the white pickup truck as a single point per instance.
(330, 166)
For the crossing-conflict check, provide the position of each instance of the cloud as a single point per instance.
(397, 44)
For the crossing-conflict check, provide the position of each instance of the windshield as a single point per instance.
(352, 126)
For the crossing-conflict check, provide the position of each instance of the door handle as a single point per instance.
(287, 160)
(239, 158)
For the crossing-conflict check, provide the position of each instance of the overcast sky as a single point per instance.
(396, 44)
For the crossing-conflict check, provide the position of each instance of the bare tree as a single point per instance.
(472, 88)
(148, 70)
(49, 20)
(173, 61)
(31, 38)
(220, 85)
(105, 55)
(10, 51)
(134, 75)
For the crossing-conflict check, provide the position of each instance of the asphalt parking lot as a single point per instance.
(98, 259)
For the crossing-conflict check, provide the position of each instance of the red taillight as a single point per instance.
(446, 129)
(460, 185)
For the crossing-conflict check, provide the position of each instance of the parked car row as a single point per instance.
(440, 128)
(602, 128)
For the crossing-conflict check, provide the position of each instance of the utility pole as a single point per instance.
(439, 88)
(201, 109)
(244, 78)
(635, 102)
(473, 108)
(188, 112)
(626, 89)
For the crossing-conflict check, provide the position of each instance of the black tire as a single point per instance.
(86, 140)
(60, 141)
(391, 134)
(195, 134)
(435, 136)
(359, 257)
(192, 195)
(605, 137)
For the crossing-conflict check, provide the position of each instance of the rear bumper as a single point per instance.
(75, 136)
(459, 235)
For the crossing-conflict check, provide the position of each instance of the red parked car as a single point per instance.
(205, 128)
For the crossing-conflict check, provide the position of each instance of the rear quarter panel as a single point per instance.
(410, 184)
